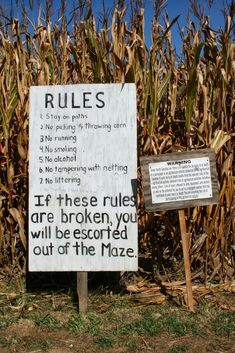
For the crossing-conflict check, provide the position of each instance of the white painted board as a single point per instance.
(82, 178)
(180, 180)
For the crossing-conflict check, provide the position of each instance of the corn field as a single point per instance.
(185, 102)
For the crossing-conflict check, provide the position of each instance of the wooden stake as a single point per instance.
(187, 264)
(82, 291)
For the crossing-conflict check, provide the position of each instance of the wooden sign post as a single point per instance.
(82, 291)
(187, 264)
(82, 180)
(178, 181)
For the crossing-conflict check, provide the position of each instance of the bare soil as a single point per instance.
(50, 322)
(61, 341)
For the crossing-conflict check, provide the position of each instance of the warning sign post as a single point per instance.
(177, 181)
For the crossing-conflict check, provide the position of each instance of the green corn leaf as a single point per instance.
(192, 87)
(157, 95)
(163, 87)
(167, 30)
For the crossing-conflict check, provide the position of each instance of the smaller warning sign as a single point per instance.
(186, 179)
(180, 180)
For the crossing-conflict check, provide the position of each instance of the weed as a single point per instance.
(153, 325)
(8, 341)
(144, 325)
(47, 321)
(132, 346)
(2, 309)
(5, 322)
(4, 341)
(75, 323)
(149, 324)
(224, 323)
(177, 327)
(40, 344)
(93, 325)
(181, 348)
(104, 342)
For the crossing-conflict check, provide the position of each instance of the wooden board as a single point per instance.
(179, 180)
(82, 178)
(82, 290)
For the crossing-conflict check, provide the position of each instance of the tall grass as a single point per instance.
(183, 103)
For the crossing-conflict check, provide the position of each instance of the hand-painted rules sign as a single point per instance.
(82, 178)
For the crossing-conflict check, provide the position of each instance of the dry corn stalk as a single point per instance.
(181, 104)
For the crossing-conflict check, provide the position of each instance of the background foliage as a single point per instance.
(184, 102)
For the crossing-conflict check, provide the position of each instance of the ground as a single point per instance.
(48, 321)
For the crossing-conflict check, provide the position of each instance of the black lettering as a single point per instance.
(59, 234)
(85, 100)
(65, 101)
(82, 249)
(93, 201)
(122, 252)
(108, 250)
(73, 103)
(42, 217)
(35, 235)
(133, 199)
(45, 250)
(130, 252)
(100, 100)
(49, 100)
(39, 203)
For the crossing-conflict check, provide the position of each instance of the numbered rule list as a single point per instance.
(82, 178)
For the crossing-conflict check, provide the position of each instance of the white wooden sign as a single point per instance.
(82, 178)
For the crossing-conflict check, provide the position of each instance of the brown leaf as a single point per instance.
(18, 217)
(219, 140)
(10, 175)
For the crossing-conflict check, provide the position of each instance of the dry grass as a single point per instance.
(182, 104)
